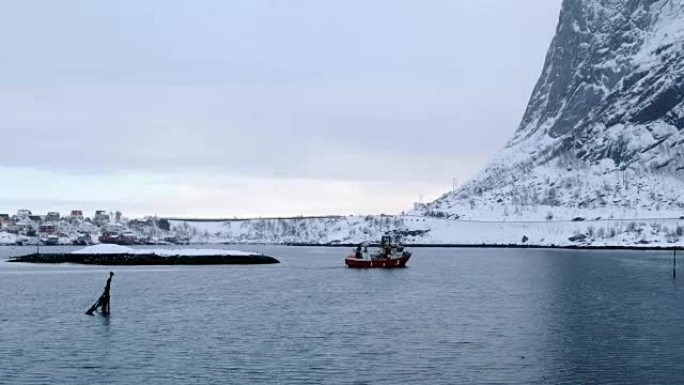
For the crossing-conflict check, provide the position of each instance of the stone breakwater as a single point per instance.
(146, 259)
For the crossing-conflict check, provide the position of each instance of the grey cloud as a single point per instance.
(327, 90)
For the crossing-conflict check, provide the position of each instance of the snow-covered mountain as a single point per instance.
(598, 158)
(602, 135)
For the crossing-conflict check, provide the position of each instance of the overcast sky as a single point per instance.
(218, 108)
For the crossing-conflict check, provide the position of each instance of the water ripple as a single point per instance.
(453, 317)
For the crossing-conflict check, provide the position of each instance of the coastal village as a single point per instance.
(52, 229)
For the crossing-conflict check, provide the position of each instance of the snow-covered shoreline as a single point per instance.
(587, 230)
(427, 231)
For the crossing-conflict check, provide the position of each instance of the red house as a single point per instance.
(47, 229)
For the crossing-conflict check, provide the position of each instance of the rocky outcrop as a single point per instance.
(146, 259)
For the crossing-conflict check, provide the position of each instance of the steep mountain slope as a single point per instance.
(602, 134)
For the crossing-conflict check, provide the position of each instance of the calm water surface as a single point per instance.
(455, 316)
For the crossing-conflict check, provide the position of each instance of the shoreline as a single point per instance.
(420, 245)
(510, 246)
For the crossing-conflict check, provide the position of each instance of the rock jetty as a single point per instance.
(121, 255)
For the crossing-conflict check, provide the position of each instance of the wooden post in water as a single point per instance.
(674, 264)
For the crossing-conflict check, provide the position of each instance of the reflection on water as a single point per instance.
(454, 316)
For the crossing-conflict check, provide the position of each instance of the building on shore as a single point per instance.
(35, 221)
(47, 229)
(23, 213)
(101, 218)
(5, 221)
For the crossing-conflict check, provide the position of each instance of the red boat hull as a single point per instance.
(381, 263)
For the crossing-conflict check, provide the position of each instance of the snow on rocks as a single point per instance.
(108, 249)
(105, 249)
(7, 238)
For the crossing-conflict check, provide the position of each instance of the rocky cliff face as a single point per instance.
(603, 128)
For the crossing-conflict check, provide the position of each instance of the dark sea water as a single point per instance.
(455, 316)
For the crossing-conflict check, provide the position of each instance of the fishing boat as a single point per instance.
(390, 255)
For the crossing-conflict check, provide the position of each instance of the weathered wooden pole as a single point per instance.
(674, 264)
